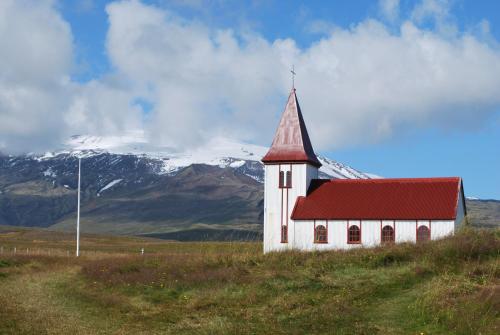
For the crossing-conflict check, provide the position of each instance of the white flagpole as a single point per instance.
(78, 210)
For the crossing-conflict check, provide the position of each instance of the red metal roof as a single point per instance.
(376, 199)
(291, 142)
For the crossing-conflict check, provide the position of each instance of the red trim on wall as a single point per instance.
(347, 231)
(416, 230)
(287, 201)
(314, 231)
(381, 235)
(430, 231)
(281, 210)
(394, 227)
(327, 232)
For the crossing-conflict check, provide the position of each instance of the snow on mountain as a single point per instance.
(341, 171)
(220, 151)
(108, 186)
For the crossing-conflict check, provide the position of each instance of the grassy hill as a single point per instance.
(484, 213)
(450, 286)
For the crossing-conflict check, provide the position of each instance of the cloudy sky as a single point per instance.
(396, 88)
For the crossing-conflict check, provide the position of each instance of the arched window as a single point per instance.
(387, 234)
(320, 234)
(423, 234)
(354, 234)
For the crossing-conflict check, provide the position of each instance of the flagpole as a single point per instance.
(78, 210)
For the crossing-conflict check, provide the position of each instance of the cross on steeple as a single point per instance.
(293, 75)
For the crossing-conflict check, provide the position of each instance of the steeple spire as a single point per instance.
(291, 142)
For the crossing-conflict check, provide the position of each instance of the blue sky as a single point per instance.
(371, 110)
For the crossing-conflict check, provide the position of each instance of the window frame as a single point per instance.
(428, 233)
(281, 179)
(324, 229)
(349, 227)
(393, 235)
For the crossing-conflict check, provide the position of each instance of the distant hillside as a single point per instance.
(130, 187)
(484, 213)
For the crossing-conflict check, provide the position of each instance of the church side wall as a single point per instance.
(440, 229)
(405, 231)
(371, 232)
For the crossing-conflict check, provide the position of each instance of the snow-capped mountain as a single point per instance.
(221, 152)
(131, 186)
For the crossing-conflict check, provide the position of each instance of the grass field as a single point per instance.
(450, 286)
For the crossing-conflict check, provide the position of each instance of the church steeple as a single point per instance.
(291, 142)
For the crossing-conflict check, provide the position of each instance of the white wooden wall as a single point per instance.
(302, 174)
(405, 231)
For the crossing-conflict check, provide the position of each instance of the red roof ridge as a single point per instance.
(385, 180)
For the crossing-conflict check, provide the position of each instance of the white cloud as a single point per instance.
(433, 9)
(356, 85)
(38, 100)
(201, 81)
(35, 57)
(389, 9)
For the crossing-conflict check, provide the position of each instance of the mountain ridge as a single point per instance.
(132, 190)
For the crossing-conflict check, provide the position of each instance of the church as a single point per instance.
(302, 212)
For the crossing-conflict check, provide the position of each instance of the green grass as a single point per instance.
(450, 286)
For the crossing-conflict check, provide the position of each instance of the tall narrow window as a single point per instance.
(284, 234)
(282, 179)
(354, 234)
(289, 179)
(320, 234)
(387, 234)
(423, 234)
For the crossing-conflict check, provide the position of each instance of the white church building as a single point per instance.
(303, 212)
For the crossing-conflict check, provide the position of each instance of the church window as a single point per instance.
(423, 234)
(289, 179)
(354, 234)
(387, 234)
(320, 234)
(282, 179)
(284, 234)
